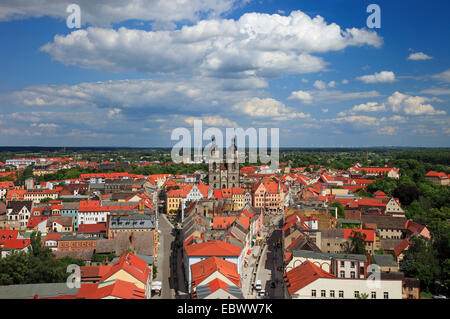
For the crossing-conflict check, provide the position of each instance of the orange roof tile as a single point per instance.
(213, 248)
(206, 267)
(303, 275)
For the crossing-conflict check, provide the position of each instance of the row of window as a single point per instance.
(373, 294)
(77, 244)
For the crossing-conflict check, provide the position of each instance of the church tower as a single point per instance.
(223, 175)
(233, 166)
(214, 166)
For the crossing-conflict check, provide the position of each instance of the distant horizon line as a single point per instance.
(281, 147)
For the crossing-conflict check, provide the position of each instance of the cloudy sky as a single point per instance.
(138, 69)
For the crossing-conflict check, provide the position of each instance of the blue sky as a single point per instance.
(136, 70)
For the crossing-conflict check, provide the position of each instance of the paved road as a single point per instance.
(271, 260)
(165, 271)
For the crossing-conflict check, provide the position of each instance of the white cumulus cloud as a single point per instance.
(412, 105)
(268, 108)
(419, 56)
(378, 77)
(255, 45)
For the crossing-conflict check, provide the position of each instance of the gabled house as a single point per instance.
(19, 211)
(214, 268)
(309, 281)
(132, 269)
(14, 244)
(394, 208)
(196, 252)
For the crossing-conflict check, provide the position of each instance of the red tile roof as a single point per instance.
(208, 266)
(16, 243)
(116, 288)
(51, 236)
(133, 265)
(370, 234)
(402, 246)
(35, 220)
(213, 248)
(95, 271)
(92, 228)
(303, 275)
(437, 174)
(7, 234)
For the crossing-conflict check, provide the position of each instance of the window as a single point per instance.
(356, 293)
(342, 264)
(374, 295)
(342, 274)
(332, 293)
(386, 295)
(322, 293)
(352, 274)
(353, 264)
(313, 293)
(341, 294)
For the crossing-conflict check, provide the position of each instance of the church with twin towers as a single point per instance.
(223, 174)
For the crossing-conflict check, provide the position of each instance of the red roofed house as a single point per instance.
(380, 194)
(51, 241)
(196, 252)
(308, 281)
(376, 171)
(9, 245)
(416, 228)
(400, 249)
(5, 187)
(93, 229)
(268, 195)
(368, 234)
(213, 268)
(437, 178)
(131, 268)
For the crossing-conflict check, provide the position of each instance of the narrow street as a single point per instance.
(269, 268)
(165, 270)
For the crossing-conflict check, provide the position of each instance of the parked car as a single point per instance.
(439, 297)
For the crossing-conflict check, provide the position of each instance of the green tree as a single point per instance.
(341, 210)
(421, 261)
(358, 243)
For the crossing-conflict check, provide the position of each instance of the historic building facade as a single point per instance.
(223, 175)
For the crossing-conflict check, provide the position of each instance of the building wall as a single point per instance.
(349, 286)
(92, 217)
(125, 276)
(76, 244)
(297, 261)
